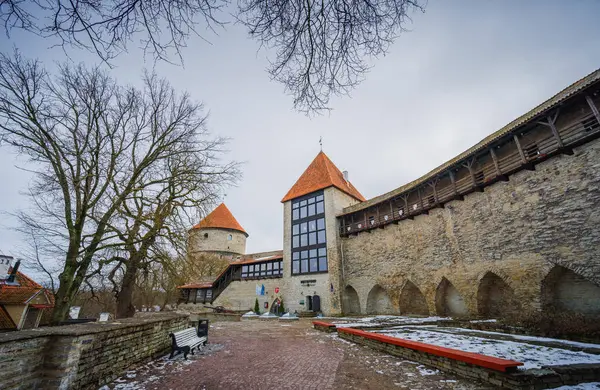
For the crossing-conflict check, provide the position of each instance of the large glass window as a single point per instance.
(309, 241)
(263, 270)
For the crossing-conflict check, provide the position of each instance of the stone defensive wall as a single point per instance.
(509, 228)
(83, 356)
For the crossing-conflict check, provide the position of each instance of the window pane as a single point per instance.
(295, 205)
(263, 267)
(295, 267)
(321, 223)
(320, 208)
(250, 268)
(269, 273)
(322, 252)
(295, 229)
(321, 237)
(312, 226)
(313, 265)
(312, 238)
(311, 200)
(269, 266)
(303, 227)
(295, 214)
(312, 253)
(304, 255)
(208, 294)
(320, 197)
(303, 212)
(281, 265)
(295, 255)
(311, 210)
(322, 263)
(304, 239)
(295, 242)
(244, 268)
(303, 203)
(303, 266)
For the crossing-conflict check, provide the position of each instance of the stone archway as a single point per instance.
(350, 301)
(564, 290)
(412, 300)
(378, 301)
(448, 301)
(495, 298)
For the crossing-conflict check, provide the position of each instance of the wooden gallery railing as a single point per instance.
(429, 194)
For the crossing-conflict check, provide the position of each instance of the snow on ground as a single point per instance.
(523, 337)
(533, 356)
(349, 322)
(581, 386)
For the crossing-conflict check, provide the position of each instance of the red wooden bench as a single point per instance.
(322, 324)
(490, 362)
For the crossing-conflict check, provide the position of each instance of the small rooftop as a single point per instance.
(320, 174)
(220, 218)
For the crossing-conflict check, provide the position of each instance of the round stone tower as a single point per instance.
(218, 233)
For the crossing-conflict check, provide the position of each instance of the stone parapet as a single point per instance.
(85, 355)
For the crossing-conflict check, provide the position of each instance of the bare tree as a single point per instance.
(82, 134)
(154, 217)
(320, 46)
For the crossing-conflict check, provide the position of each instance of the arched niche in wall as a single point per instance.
(378, 301)
(495, 298)
(448, 301)
(412, 300)
(564, 290)
(350, 301)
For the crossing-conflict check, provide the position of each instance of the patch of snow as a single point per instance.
(379, 372)
(481, 321)
(269, 315)
(581, 386)
(250, 314)
(533, 356)
(527, 338)
(448, 381)
(424, 371)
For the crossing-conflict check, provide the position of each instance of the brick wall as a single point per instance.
(514, 232)
(83, 356)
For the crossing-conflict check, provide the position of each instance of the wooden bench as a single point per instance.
(185, 341)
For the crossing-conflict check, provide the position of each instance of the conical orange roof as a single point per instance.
(321, 173)
(222, 218)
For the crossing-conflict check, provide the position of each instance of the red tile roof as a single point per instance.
(18, 295)
(222, 218)
(320, 174)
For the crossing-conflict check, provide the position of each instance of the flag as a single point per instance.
(262, 290)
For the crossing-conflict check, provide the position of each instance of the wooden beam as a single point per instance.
(593, 107)
(421, 201)
(433, 185)
(526, 164)
(469, 166)
(497, 166)
(453, 180)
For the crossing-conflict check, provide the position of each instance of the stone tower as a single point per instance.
(218, 233)
(311, 249)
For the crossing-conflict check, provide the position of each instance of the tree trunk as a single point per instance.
(125, 307)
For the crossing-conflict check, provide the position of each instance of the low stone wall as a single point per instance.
(83, 356)
(544, 378)
(216, 317)
(324, 326)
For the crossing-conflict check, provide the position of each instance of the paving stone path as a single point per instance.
(271, 355)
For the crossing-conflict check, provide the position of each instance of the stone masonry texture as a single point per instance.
(83, 356)
(524, 243)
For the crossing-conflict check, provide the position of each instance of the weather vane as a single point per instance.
(321, 143)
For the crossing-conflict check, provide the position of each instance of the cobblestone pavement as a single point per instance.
(271, 355)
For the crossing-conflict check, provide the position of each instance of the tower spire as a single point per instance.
(321, 143)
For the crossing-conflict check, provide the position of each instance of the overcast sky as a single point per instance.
(466, 69)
